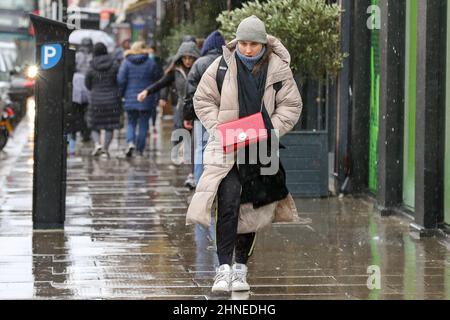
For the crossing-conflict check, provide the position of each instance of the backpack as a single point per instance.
(222, 70)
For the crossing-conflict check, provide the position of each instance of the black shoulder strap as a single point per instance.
(277, 86)
(222, 70)
(220, 76)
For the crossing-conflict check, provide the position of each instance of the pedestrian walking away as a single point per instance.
(119, 53)
(75, 117)
(83, 58)
(104, 110)
(136, 73)
(212, 48)
(258, 77)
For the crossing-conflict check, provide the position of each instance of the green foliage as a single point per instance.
(310, 30)
(171, 43)
(204, 22)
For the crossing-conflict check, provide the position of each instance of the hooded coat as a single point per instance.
(136, 73)
(83, 59)
(105, 107)
(178, 77)
(212, 48)
(213, 108)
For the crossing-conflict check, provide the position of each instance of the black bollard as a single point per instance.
(53, 93)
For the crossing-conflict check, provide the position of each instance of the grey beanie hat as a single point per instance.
(252, 29)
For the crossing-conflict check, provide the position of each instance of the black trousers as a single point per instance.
(227, 239)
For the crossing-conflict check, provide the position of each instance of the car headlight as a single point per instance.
(32, 71)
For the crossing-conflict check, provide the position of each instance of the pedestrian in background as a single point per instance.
(170, 92)
(257, 79)
(153, 56)
(105, 108)
(83, 58)
(212, 48)
(136, 73)
(75, 120)
(119, 53)
(176, 74)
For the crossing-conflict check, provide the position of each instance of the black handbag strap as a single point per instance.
(221, 71)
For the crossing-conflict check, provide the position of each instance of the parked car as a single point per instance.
(6, 105)
(21, 78)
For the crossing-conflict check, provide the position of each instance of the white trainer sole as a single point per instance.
(240, 287)
(220, 288)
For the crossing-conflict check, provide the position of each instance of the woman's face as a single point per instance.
(249, 48)
(188, 61)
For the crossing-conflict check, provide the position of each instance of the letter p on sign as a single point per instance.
(374, 280)
(50, 55)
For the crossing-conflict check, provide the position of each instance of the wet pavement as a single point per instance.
(125, 238)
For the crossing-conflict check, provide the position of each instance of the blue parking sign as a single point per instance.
(50, 55)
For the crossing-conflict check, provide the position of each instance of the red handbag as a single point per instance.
(242, 132)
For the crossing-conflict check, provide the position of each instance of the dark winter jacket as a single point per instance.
(194, 77)
(213, 41)
(74, 120)
(136, 73)
(178, 75)
(105, 108)
(212, 48)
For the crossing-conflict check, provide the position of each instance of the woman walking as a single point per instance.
(176, 74)
(105, 108)
(258, 78)
(137, 72)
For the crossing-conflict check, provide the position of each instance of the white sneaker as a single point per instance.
(105, 154)
(98, 150)
(239, 278)
(130, 149)
(222, 279)
(190, 182)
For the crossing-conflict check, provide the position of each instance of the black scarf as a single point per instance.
(260, 190)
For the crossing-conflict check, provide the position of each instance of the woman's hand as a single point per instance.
(188, 124)
(141, 96)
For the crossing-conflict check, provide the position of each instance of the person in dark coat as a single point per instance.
(136, 73)
(176, 74)
(119, 52)
(105, 107)
(171, 90)
(153, 56)
(211, 50)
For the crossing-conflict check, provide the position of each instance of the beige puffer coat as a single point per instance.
(212, 108)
